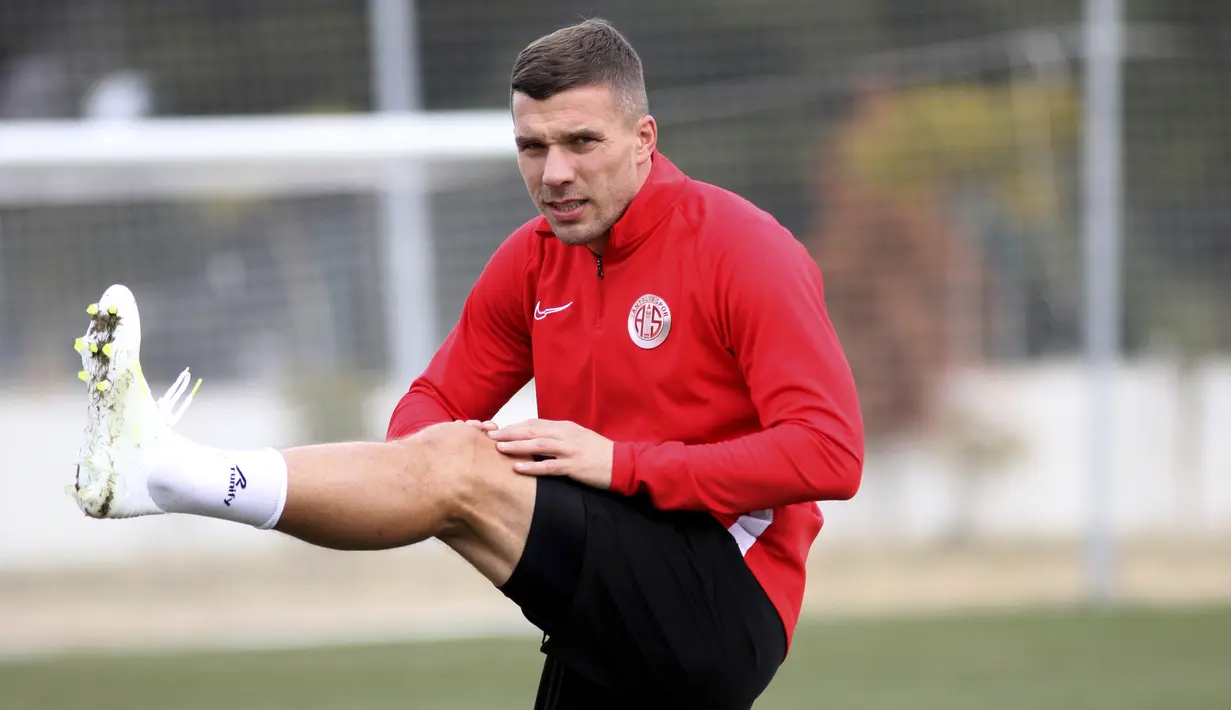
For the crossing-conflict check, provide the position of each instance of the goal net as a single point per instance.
(326, 255)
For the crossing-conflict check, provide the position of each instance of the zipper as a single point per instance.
(598, 320)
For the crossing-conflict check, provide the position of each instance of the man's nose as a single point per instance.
(558, 169)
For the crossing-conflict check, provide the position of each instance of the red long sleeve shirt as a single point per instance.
(699, 343)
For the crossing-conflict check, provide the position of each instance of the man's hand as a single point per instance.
(576, 452)
(488, 425)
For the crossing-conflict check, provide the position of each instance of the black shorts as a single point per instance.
(641, 608)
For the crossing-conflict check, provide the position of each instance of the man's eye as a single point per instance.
(527, 147)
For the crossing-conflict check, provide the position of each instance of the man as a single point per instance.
(695, 402)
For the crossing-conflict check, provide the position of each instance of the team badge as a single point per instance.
(649, 321)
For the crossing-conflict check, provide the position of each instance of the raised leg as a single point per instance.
(448, 481)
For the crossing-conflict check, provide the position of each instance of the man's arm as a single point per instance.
(771, 310)
(486, 358)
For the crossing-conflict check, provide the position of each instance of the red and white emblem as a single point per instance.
(649, 321)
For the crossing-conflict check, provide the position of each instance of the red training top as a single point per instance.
(698, 342)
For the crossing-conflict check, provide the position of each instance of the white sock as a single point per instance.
(241, 486)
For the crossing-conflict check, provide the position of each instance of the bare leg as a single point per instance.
(448, 481)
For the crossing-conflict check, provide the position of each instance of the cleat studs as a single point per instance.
(93, 347)
(113, 310)
(92, 309)
(79, 344)
(83, 375)
(108, 349)
(103, 385)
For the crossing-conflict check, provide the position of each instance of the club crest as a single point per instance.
(649, 321)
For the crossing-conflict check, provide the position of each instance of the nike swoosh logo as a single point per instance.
(540, 313)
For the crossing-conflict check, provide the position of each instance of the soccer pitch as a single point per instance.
(1121, 660)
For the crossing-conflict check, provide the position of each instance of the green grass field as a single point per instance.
(1126, 660)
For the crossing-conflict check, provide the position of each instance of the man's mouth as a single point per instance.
(567, 209)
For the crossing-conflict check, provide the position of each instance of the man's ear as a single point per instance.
(647, 137)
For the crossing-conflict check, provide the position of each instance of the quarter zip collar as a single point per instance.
(654, 201)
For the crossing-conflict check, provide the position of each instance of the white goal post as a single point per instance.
(237, 139)
(60, 160)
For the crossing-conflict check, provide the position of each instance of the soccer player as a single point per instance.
(695, 405)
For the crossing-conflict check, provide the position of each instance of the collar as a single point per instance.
(650, 206)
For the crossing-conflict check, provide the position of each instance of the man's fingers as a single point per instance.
(513, 432)
(529, 429)
(531, 447)
(550, 467)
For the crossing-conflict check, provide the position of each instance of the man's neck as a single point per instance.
(598, 246)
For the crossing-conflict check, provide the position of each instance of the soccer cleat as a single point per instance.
(124, 422)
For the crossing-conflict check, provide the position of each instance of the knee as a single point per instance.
(450, 441)
(459, 465)
(448, 453)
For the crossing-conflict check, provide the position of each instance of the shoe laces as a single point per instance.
(166, 403)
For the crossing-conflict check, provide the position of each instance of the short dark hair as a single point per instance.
(589, 53)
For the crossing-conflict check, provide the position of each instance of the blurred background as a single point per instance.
(1021, 210)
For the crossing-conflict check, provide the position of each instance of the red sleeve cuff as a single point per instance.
(623, 463)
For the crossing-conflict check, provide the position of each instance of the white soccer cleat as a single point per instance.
(124, 422)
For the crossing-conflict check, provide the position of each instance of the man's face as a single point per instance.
(583, 160)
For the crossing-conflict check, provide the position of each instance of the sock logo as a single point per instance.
(238, 481)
